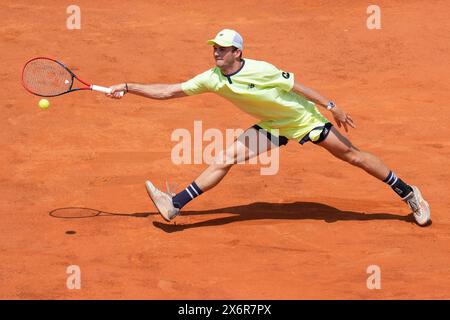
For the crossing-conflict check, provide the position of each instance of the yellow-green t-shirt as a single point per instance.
(263, 91)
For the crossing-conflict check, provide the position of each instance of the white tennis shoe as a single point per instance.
(419, 207)
(162, 201)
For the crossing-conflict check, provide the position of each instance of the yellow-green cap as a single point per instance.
(228, 38)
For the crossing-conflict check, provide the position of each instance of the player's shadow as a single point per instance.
(275, 211)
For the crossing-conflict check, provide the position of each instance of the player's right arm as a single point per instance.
(153, 91)
(199, 84)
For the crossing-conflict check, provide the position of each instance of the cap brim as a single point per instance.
(220, 43)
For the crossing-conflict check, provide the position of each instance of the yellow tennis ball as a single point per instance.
(44, 104)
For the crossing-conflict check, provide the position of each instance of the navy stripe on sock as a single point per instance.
(388, 177)
(196, 188)
(394, 180)
(399, 187)
(189, 193)
(192, 191)
(185, 196)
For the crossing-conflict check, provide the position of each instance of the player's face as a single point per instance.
(224, 56)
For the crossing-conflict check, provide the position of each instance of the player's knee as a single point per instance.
(221, 165)
(354, 158)
(349, 155)
(223, 161)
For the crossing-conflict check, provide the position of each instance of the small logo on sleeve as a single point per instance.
(251, 86)
(286, 75)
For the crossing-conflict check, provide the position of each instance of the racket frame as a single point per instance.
(88, 86)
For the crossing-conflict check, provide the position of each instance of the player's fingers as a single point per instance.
(117, 95)
(350, 122)
(345, 126)
(114, 89)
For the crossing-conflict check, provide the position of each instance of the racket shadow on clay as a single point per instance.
(82, 213)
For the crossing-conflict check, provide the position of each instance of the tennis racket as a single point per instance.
(47, 77)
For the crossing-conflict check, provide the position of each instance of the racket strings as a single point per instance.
(46, 77)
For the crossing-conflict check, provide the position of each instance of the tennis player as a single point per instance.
(287, 111)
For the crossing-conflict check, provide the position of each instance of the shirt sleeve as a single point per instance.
(198, 84)
(279, 78)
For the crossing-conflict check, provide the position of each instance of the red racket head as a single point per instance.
(47, 77)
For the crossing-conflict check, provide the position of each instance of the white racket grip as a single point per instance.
(103, 89)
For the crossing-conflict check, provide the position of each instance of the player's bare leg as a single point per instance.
(250, 144)
(242, 149)
(342, 148)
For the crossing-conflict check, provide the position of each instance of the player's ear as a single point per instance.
(237, 53)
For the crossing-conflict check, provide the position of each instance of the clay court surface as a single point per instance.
(308, 232)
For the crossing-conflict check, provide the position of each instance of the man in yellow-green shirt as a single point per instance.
(286, 110)
(265, 92)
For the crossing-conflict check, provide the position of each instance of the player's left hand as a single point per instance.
(342, 118)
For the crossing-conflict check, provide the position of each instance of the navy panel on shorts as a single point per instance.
(278, 141)
(282, 140)
(325, 131)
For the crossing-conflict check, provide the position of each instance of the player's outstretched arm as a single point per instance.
(153, 91)
(310, 94)
(339, 115)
